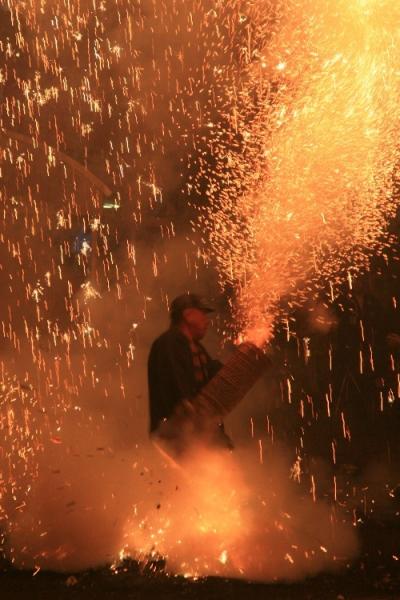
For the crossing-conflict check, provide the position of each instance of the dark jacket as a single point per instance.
(171, 376)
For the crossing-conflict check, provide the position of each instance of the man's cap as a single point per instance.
(181, 303)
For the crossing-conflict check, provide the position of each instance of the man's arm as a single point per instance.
(158, 398)
(181, 367)
(170, 377)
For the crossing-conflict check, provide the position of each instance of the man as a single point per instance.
(178, 367)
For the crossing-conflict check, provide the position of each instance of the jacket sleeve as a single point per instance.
(162, 392)
(170, 378)
(213, 365)
(181, 368)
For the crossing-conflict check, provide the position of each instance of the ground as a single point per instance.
(374, 576)
(99, 585)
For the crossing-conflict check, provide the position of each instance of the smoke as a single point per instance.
(92, 488)
(215, 514)
(80, 481)
(233, 517)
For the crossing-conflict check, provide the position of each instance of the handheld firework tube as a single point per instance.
(197, 418)
(232, 382)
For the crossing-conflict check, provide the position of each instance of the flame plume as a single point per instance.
(317, 114)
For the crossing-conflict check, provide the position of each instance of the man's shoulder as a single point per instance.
(170, 338)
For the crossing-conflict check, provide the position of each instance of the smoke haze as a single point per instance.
(138, 94)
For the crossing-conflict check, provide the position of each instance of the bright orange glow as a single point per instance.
(316, 171)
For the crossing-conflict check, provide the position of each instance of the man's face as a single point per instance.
(197, 322)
